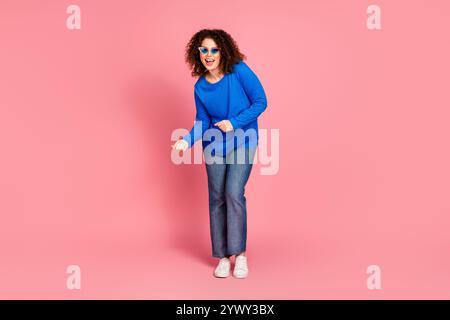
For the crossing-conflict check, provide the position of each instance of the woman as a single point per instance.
(229, 98)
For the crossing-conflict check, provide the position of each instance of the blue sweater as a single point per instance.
(238, 97)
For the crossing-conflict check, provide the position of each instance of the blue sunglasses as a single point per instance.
(205, 50)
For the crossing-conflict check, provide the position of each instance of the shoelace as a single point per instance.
(223, 264)
(241, 263)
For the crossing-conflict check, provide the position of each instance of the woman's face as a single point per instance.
(209, 60)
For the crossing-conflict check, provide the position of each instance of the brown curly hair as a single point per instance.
(229, 51)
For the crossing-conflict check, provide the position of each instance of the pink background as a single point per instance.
(86, 176)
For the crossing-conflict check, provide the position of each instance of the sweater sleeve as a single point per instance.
(255, 92)
(201, 123)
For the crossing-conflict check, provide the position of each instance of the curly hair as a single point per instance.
(229, 51)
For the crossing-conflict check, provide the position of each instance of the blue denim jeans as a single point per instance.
(227, 177)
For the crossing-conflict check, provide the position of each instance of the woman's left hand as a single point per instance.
(224, 125)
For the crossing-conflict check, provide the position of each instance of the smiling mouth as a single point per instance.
(209, 61)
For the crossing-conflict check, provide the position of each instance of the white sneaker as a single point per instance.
(240, 268)
(223, 268)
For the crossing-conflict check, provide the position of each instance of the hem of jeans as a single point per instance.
(236, 252)
(221, 256)
(228, 255)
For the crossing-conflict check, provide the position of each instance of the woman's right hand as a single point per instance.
(180, 145)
